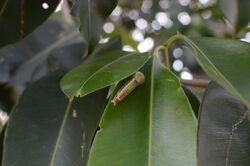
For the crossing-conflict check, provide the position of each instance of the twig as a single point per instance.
(195, 83)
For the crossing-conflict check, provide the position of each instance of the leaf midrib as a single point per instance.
(53, 158)
(151, 100)
(97, 71)
(235, 91)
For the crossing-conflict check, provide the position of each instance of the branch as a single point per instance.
(196, 83)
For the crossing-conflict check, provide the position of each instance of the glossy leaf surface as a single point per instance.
(45, 128)
(20, 18)
(153, 126)
(102, 70)
(225, 61)
(91, 15)
(13, 57)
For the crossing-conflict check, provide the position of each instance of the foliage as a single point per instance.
(59, 71)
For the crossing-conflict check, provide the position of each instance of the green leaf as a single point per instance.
(67, 56)
(224, 134)
(100, 71)
(20, 18)
(29, 69)
(45, 128)
(226, 62)
(236, 11)
(153, 126)
(92, 14)
(114, 43)
(7, 98)
(36, 50)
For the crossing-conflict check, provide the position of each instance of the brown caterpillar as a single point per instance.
(137, 80)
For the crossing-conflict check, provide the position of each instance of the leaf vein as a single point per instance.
(97, 71)
(60, 134)
(215, 70)
(151, 113)
(234, 128)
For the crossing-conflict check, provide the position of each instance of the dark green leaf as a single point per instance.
(153, 126)
(236, 11)
(224, 134)
(70, 55)
(67, 56)
(45, 128)
(92, 14)
(2, 134)
(195, 103)
(7, 99)
(114, 43)
(226, 62)
(101, 71)
(20, 18)
(29, 70)
(13, 56)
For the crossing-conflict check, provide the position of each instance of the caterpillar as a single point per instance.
(138, 79)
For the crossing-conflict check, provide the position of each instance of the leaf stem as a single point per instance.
(196, 82)
(172, 39)
(213, 72)
(163, 52)
(164, 49)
